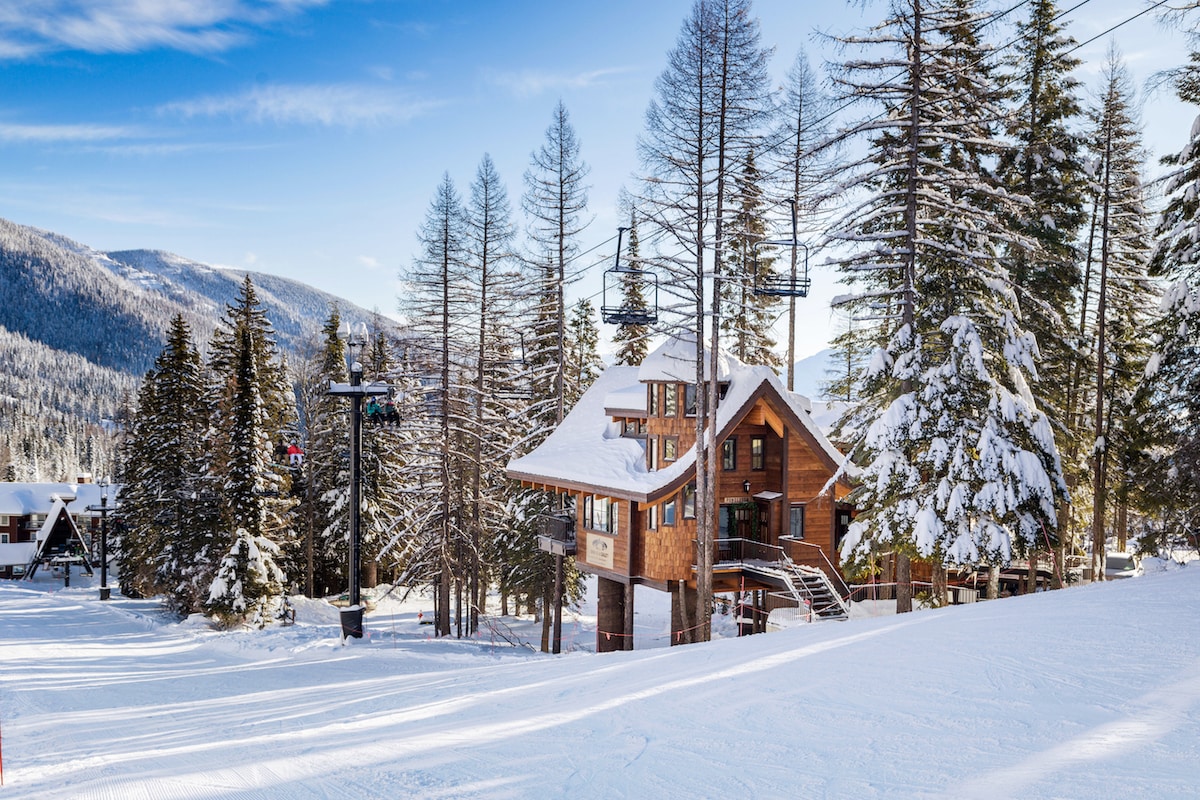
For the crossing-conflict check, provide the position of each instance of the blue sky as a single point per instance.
(305, 137)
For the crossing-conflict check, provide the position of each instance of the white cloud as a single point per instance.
(62, 133)
(529, 83)
(29, 27)
(370, 262)
(342, 105)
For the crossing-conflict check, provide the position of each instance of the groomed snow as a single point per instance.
(1093, 692)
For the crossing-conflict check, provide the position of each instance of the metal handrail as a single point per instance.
(832, 572)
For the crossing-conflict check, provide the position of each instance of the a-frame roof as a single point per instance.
(588, 452)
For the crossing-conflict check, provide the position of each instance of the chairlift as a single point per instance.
(797, 282)
(625, 315)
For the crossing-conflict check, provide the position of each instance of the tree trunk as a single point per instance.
(993, 584)
(904, 589)
(1031, 577)
(941, 594)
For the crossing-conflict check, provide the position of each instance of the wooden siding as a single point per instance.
(620, 541)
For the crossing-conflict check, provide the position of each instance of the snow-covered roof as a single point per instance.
(19, 499)
(626, 401)
(675, 360)
(588, 450)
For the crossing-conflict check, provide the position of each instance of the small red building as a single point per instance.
(625, 455)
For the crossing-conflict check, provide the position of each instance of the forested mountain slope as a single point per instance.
(79, 327)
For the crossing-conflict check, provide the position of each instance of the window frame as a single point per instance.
(758, 460)
(652, 400)
(669, 508)
(671, 445)
(729, 454)
(688, 501)
(651, 453)
(670, 400)
(792, 509)
(690, 399)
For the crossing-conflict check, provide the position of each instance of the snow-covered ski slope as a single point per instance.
(1092, 692)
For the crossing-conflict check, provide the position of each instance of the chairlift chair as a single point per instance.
(627, 315)
(793, 284)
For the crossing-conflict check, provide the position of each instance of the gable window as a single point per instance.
(652, 400)
(758, 453)
(689, 399)
(796, 521)
(689, 501)
(651, 453)
(670, 448)
(729, 454)
(671, 400)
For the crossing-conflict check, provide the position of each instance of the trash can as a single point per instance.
(352, 622)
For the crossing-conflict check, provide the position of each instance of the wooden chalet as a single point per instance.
(48, 525)
(625, 459)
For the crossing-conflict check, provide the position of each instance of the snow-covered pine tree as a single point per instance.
(1117, 297)
(632, 340)
(254, 408)
(1045, 164)
(322, 514)
(958, 464)
(167, 536)
(747, 317)
(709, 105)
(1174, 369)
(583, 360)
(382, 458)
(248, 585)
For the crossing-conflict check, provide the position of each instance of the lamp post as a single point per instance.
(355, 340)
(103, 508)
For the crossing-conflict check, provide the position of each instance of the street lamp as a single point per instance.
(355, 340)
(103, 508)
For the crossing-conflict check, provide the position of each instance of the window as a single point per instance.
(587, 511)
(668, 512)
(670, 448)
(5, 521)
(796, 521)
(758, 453)
(3, 538)
(652, 453)
(652, 518)
(613, 525)
(652, 401)
(671, 400)
(729, 454)
(634, 428)
(689, 501)
(600, 507)
(689, 399)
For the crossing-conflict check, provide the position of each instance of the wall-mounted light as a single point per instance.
(746, 487)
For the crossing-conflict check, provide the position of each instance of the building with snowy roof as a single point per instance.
(626, 459)
(48, 524)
